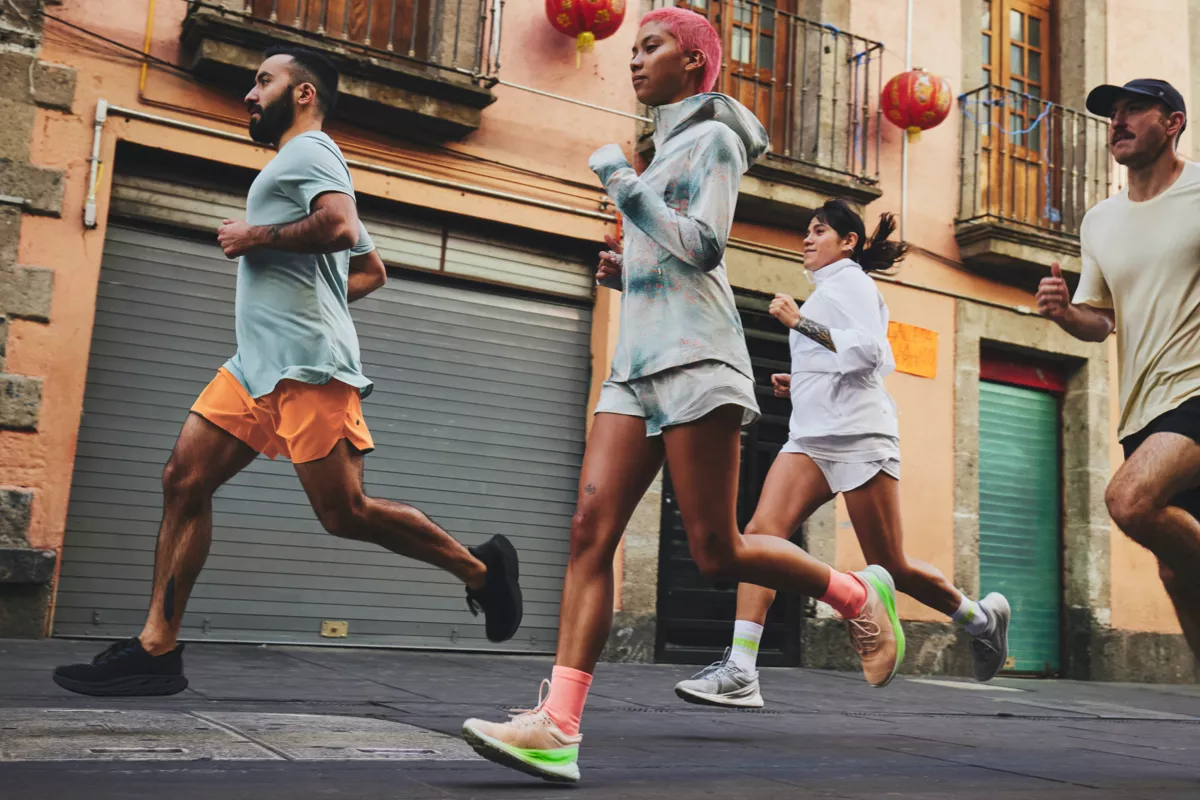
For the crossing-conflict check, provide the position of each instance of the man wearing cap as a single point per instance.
(1141, 277)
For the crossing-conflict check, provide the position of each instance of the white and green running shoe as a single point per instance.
(989, 650)
(722, 684)
(876, 633)
(530, 742)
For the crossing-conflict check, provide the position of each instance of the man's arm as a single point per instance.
(367, 273)
(330, 228)
(1087, 323)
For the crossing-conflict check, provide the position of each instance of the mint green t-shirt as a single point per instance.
(292, 317)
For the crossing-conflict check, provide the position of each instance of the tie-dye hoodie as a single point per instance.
(677, 307)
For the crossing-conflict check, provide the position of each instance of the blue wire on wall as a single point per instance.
(1051, 213)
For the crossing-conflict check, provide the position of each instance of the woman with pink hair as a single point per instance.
(680, 390)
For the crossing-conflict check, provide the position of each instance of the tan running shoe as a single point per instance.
(876, 633)
(530, 742)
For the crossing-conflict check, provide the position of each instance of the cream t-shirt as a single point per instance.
(1143, 261)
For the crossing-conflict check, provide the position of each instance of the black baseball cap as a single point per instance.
(1101, 99)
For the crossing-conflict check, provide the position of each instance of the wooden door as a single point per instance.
(756, 38)
(1018, 138)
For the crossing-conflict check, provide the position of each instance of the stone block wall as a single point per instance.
(27, 85)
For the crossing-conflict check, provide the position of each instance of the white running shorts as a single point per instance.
(679, 395)
(845, 476)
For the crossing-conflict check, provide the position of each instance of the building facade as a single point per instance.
(467, 125)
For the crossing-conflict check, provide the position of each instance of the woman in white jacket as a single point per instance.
(843, 439)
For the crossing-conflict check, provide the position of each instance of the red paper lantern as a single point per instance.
(916, 101)
(586, 20)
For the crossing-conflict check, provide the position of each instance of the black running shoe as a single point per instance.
(126, 670)
(500, 597)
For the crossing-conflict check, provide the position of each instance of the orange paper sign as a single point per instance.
(915, 349)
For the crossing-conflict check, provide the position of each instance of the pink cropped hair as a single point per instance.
(694, 33)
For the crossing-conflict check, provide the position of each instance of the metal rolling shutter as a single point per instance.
(1019, 543)
(452, 248)
(478, 417)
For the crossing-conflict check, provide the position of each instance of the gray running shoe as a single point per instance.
(721, 684)
(989, 650)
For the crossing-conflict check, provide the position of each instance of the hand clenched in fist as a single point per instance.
(785, 309)
(1053, 296)
(611, 261)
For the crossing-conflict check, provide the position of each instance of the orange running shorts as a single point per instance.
(299, 421)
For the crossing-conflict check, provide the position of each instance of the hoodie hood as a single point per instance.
(673, 119)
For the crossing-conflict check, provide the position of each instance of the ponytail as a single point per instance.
(879, 253)
(873, 255)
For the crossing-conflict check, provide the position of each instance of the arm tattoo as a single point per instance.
(315, 233)
(817, 332)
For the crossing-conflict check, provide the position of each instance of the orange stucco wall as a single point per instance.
(926, 412)
(548, 141)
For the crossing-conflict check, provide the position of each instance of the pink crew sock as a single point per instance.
(846, 593)
(568, 692)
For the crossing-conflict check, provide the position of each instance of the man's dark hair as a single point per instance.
(309, 66)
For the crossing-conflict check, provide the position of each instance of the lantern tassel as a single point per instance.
(914, 134)
(584, 43)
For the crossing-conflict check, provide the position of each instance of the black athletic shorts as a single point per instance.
(1184, 419)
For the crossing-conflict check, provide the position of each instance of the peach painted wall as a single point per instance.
(1150, 39)
(554, 139)
(926, 415)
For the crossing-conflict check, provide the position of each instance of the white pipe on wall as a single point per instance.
(89, 208)
(908, 44)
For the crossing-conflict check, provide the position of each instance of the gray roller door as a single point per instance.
(478, 417)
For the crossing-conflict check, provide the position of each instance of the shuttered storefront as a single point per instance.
(1019, 543)
(478, 417)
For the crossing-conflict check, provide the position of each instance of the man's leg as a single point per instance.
(204, 458)
(334, 485)
(794, 489)
(1185, 596)
(490, 571)
(1139, 496)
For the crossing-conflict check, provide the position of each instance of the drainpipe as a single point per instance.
(89, 208)
(497, 18)
(908, 43)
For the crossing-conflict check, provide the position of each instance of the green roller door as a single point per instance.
(1019, 545)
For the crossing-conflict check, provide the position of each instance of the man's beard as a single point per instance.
(274, 119)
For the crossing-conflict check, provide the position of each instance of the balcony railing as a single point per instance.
(815, 88)
(458, 35)
(1031, 162)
